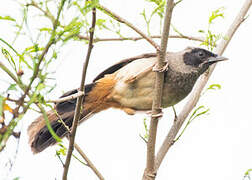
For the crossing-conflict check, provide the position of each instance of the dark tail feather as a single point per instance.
(40, 137)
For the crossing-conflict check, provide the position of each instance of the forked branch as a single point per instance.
(122, 20)
(194, 98)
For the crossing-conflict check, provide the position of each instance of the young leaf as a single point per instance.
(214, 87)
(247, 172)
(8, 18)
(12, 87)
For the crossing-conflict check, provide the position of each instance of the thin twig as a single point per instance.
(150, 173)
(89, 163)
(200, 39)
(41, 57)
(79, 99)
(10, 74)
(46, 13)
(83, 155)
(199, 87)
(71, 97)
(26, 89)
(122, 20)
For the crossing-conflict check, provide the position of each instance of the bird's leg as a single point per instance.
(159, 115)
(163, 69)
(129, 111)
(175, 114)
(155, 115)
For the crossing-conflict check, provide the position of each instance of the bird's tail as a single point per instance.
(96, 99)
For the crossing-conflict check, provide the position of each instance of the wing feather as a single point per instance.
(121, 64)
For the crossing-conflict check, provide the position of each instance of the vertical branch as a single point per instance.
(169, 140)
(79, 99)
(156, 110)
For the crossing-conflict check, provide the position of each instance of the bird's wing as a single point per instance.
(123, 63)
(139, 74)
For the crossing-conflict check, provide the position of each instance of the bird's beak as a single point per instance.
(216, 59)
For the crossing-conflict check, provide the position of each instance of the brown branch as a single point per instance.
(83, 155)
(199, 87)
(89, 163)
(71, 97)
(200, 39)
(79, 99)
(150, 173)
(122, 20)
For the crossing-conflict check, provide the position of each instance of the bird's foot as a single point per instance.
(129, 111)
(163, 69)
(158, 115)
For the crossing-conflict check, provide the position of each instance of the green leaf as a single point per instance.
(45, 29)
(62, 150)
(214, 87)
(40, 86)
(55, 136)
(159, 9)
(157, 2)
(201, 110)
(145, 136)
(8, 18)
(101, 23)
(8, 56)
(34, 48)
(247, 172)
(215, 14)
(12, 87)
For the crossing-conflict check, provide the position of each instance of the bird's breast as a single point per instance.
(176, 87)
(139, 93)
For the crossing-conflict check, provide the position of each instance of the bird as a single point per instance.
(127, 85)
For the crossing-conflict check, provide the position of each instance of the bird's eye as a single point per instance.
(201, 54)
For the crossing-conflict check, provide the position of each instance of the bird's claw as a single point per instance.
(163, 69)
(159, 115)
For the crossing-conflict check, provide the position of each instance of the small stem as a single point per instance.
(200, 39)
(89, 163)
(67, 98)
(41, 57)
(46, 13)
(122, 20)
(79, 99)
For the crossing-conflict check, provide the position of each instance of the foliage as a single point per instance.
(198, 111)
(212, 38)
(247, 174)
(145, 136)
(27, 69)
(157, 9)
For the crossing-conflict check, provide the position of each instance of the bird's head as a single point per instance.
(195, 60)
